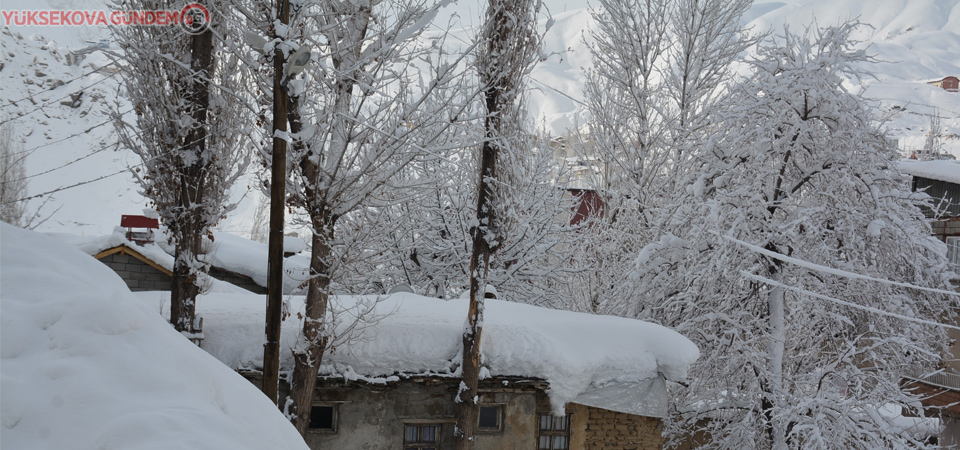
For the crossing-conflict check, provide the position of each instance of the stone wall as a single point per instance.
(138, 275)
(373, 417)
(596, 429)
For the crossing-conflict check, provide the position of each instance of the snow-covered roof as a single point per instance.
(87, 365)
(604, 361)
(228, 252)
(943, 170)
(247, 257)
(92, 245)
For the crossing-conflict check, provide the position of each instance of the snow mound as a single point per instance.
(86, 365)
(576, 353)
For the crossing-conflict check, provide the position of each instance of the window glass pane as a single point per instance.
(559, 443)
(321, 417)
(560, 423)
(544, 443)
(545, 421)
(428, 433)
(490, 417)
(953, 251)
(411, 434)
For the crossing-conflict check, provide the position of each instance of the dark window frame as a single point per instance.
(501, 415)
(418, 443)
(335, 419)
(564, 423)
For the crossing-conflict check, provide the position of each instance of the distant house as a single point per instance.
(140, 272)
(940, 179)
(949, 84)
(147, 266)
(941, 392)
(588, 205)
(552, 380)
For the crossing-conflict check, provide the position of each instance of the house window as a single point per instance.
(421, 437)
(554, 432)
(490, 418)
(323, 418)
(953, 252)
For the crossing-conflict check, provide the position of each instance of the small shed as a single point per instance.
(140, 272)
(949, 84)
(146, 265)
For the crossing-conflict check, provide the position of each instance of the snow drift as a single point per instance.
(85, 365)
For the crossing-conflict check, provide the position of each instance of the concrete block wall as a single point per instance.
(138, 275)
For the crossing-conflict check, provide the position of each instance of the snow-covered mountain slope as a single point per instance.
(914, 41)
(87, 365)
(60, 116)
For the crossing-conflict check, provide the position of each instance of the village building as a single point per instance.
(949, 84)
(144, 260)
(940, 179)
(552, 380)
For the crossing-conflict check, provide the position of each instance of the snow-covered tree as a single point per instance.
(373, 102)
(13, 178)
(762, 260)
(933, 146)
(185, 92)
(509, 45)
(708, 38)
(658, 67)
(429, 234)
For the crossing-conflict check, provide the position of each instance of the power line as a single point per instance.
(832, 271)
(69, 163)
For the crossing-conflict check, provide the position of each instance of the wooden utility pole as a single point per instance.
(278, 187)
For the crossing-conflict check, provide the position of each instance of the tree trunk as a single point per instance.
(483, 234)
(309, 351)
(190, 226)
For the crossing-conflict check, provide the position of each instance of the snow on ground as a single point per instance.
(85, 365)
(417, 335)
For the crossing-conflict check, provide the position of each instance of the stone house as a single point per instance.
(147, 265)
(553, 380)
(941, 392)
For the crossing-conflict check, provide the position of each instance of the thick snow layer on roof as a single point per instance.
(86, 365)
(246, 257)
(228, 252)
(92, 245)
(944, 170)
(578, 354)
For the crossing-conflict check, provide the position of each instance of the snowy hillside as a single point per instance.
(913, 41)
(86, 365)
(71, 144)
